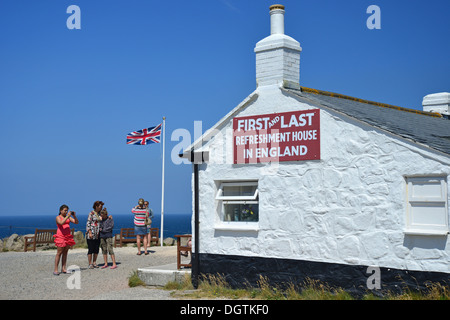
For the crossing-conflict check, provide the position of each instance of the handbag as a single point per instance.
(148, 221)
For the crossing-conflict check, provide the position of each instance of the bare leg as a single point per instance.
(59, 251)
(64, 259)
(138, 240)
(145, 244)
(90, 259)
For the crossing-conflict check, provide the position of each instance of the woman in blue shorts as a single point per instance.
(140, 229)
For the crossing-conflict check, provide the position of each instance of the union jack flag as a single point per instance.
(145, 136)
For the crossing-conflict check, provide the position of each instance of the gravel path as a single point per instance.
(29, 275)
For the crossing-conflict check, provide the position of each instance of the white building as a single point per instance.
(296, 182)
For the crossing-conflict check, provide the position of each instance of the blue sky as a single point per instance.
(69, 97)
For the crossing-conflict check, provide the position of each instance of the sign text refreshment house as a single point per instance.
(277, 137)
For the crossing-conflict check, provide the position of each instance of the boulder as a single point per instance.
(13, 243)
(169, 241)
(78, 237)
(10, 241)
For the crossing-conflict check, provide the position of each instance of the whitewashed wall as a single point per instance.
(349, 207)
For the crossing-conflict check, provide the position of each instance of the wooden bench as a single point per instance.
(183, 247)
(127, 235)
(41, 236)
(154, 236)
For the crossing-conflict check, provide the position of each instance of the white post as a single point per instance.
(162, 187)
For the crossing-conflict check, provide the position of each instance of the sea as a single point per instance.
(174, 223)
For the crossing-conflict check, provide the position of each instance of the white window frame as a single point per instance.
(219, 195)
(236, 225)
(416, 201)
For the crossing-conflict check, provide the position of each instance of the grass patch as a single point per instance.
(185, 284)
(134, 280)
(309, 290)
(433, 291)
(216, 287)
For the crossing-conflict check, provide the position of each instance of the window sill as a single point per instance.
(416, 232)
(237, 226)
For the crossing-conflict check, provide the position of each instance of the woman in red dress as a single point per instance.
(63, 237)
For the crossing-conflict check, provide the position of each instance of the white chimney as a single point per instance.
(278, 55)
(437, 102)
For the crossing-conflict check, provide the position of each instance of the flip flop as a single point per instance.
(138, 254)
(114, 267)
(104, 266)
(56, 273)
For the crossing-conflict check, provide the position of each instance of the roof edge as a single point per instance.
(378, 104)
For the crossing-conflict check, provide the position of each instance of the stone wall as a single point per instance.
(16, 242)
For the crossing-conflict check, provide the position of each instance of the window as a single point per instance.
(427, 211)
(239, 201)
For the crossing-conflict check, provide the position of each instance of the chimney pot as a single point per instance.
(276, 6)
(437, 102)
(277, 19)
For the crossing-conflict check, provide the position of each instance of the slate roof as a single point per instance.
(422, 127)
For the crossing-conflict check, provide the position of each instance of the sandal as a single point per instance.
(113, 267)
(138, 254)
(91, 266)
(55, 273)
(104, 266)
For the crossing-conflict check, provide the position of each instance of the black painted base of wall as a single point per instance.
(241, 271)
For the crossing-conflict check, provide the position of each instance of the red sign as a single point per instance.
(287, 136)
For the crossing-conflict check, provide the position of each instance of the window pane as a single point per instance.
(240, 212)
(231, 191)
(427, 189)
(428, 214)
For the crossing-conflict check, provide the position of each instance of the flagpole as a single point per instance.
(162, 187)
